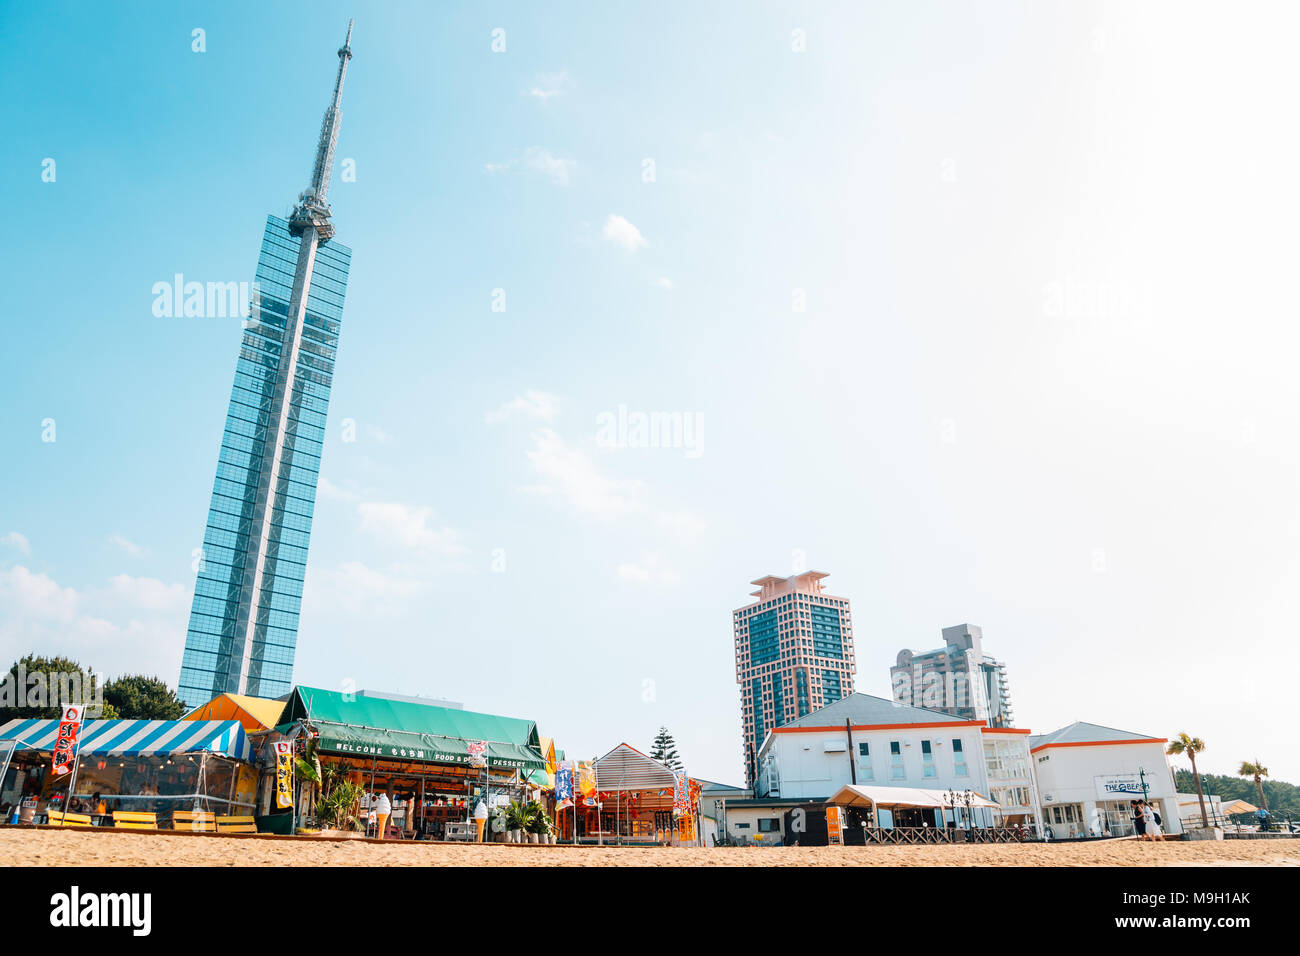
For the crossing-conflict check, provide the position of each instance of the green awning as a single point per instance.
(420, 748)
(406, 730)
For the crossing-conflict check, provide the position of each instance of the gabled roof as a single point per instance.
(404, 729)
(255, 713)
(866, 710)
(626, 768)
(381, 713)
(1084, 733)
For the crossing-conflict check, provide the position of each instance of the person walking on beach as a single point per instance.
(383, 809)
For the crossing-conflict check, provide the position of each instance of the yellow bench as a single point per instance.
(236, 825)
(134, 820)
(60, 819)
(194, 820)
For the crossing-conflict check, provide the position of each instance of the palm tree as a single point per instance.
(1259, 772)
(1183, 745)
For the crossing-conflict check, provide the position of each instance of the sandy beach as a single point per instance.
(22, 847)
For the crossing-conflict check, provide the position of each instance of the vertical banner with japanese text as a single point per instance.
(65, 746)
(283, 774)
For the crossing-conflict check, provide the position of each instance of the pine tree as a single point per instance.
(665, 750)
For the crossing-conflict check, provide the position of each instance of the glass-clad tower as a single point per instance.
(244, 621)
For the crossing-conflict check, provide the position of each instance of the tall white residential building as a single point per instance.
(958, 678)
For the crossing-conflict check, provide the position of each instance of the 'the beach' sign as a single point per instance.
(1119, 786)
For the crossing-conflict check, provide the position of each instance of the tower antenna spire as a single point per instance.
(312, 209)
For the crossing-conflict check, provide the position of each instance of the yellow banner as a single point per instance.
(586, 780)
(283, 774)
(686, 827)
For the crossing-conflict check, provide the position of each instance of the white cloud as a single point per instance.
(378, 434)
(651, 569)
(539, 160)
(664, 283)
(409, 526)
(683, 524)
(622, 233)
(570, 474)
(360, 589)
(149, 594)
(567, 471)
(326, 490)
(127, 545)
(135, 624)
(534, 404)
(15, 540)
(549, 85)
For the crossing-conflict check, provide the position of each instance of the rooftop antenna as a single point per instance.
(312, 209)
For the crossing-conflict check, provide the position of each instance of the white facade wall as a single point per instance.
(1074, 775)
(814, 764)
(748, 823)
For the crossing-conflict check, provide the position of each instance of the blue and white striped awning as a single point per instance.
(112, 738)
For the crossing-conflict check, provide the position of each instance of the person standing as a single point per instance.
(383, 809)
(1139, 820)
(1152, 821)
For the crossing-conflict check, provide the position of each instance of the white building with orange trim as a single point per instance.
(1087, 776)
(868, 741)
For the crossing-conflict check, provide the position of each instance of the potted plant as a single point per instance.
(516, 821)
(498, 824)
(538, 824)
(336, 810)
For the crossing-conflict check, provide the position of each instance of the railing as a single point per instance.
(925, 835)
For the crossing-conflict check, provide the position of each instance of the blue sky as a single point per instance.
(1041, 379)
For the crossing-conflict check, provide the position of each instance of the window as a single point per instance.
(864, 763)
(769, 825)
(896, 771)
(959, 759)
(927, 760)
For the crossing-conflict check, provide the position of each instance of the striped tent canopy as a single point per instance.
(626, 768)
(103, 738)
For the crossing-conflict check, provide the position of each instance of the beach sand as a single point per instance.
(29, 847)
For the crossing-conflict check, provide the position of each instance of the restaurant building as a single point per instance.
(1088, 776)
(421, 751)
(872, 741)
(633, 801)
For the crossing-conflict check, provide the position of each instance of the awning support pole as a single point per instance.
(76, 765)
